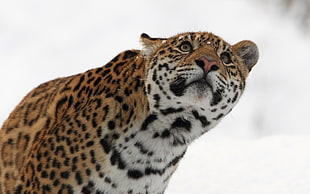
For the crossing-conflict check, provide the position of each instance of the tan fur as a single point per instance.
(56, 128)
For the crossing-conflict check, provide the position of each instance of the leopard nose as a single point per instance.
(207, 64)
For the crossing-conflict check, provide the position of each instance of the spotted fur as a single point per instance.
(123, 127)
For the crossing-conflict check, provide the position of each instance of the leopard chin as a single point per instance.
(202, 85)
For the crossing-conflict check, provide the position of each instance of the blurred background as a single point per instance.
(41, 40)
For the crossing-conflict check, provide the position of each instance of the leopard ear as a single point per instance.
(150, 45)
(248, 52)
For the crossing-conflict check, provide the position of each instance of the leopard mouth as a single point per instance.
(202, 85)
(179, 86)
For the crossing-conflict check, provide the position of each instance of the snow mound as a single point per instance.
(271, 165)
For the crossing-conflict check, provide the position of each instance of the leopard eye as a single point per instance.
(226, 58)
(186, 47)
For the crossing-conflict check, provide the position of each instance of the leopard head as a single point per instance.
(196, 69)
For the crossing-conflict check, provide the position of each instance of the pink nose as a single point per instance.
(207, 64)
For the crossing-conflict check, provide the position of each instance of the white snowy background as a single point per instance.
(263, 146)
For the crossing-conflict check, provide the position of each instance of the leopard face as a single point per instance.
(198, 72)
(197, 67)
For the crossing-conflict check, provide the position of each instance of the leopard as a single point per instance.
(124, 127)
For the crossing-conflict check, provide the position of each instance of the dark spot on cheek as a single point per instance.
(235, 98)
(178, 86)
(217, 97)
(165, 65)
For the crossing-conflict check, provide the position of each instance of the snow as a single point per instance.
(260, 147)
(271, 165)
